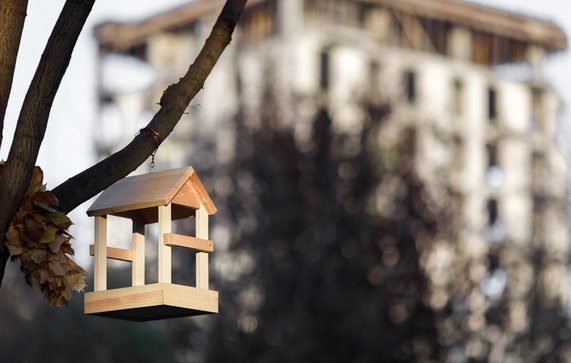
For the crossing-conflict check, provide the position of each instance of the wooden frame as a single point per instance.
(202, 257)
(113, 253)
(100, 252)
(175, 194)
(138, 253)
(164, 251)
(193, 243)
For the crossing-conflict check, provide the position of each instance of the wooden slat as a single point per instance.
(138, 247)
(198, 244)
(114, 253)
(164, 251)
(202, 257)
(100, 253)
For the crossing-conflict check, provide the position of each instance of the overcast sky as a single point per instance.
(68, 149)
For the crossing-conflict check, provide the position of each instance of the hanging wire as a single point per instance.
(158, 140)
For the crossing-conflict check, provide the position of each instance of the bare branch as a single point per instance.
(174, 101)
(35, 111)
(12, 16)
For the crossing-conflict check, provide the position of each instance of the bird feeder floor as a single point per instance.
(151, 302)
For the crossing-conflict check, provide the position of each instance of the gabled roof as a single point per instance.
(138, 196)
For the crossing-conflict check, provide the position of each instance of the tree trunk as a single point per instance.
(12, 16)
(34, 115)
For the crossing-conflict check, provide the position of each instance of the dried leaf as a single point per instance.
(75, 281)
(15, 250)
(13, 236)
(55, 245)
(59, 219)
(38, 255)
(37, 237)
(34, 229)
(56, 269)
(49, 234)
(45, 199)
(36, 182)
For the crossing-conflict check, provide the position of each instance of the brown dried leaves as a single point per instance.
(37, 236)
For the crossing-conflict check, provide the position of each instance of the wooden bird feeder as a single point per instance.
(158, 197)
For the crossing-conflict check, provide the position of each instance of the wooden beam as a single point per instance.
(198, 244)
(202, 257)
(138, 247)
(113, 253)
(100, 254)
(164, 251)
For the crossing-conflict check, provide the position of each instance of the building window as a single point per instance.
(457, 97)
(539, 219)
(340, 11)
(457, 153)
(536, 107)
(494, 283)
(324, 69)
(540, 174)
(492, 104)
(374, 79)
(437, 33)
(457, 201)
(410, 86)
(492, 155)
(492, 211)
(258, 21)
(495, 230)
(495, 175)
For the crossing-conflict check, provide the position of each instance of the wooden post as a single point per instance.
(202, 257)
(138, 247)
(164, 250)
(100, 254)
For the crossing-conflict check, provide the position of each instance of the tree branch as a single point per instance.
(174, 101)
(12, 16)
(35, 111)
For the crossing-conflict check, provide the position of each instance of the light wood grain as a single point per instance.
(202, 257)
(100, 254)
(159, 294)
(141, 191)
(191, 298)
(181, 186)
(202, 194)
(114, 253)
(187, 196)
(164, 251)
(197, 244)
(138, 247)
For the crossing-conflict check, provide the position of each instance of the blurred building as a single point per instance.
(467, 79)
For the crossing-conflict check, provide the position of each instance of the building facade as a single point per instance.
(466, 78)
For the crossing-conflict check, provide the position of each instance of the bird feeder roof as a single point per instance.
(138, 196)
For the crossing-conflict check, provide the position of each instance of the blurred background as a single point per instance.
(390, 180)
